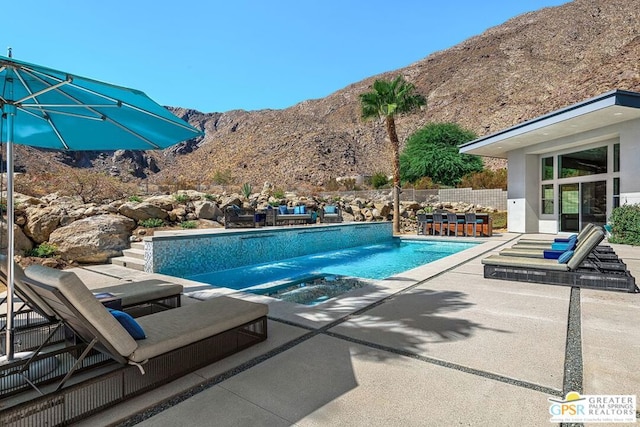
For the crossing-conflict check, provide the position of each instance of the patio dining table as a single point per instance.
(484, 224)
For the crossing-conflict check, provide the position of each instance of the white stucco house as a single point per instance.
(571, 166)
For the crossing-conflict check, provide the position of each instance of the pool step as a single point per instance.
(131, 258)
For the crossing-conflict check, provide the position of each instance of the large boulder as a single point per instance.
(141, 211)
(207, 210)
(41, 222)
(94, 239)
(21, 242)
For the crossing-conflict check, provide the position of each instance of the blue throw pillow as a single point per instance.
(564, 246)
(565, 257)
(330, 209)
(283, 209)
(303, 209)
(550, 254)
(129, 323)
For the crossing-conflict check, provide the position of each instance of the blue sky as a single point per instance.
(217, 56)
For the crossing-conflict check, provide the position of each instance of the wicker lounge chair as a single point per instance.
(237, 217)
(203, 332)
(571, 272)
(330, 214)
(139, 297)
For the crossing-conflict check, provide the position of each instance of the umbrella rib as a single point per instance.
(44, 116)
(36, 94)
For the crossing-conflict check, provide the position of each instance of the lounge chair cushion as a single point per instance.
(165, 330)
(282, 210)
(565, 257)
(330, 209)
(83, 299)
(129, 323)
(134, 293)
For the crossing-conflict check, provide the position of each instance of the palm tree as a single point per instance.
(388, 99)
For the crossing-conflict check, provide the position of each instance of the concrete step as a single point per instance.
(137, 245)
(134, 253)
(129, 262)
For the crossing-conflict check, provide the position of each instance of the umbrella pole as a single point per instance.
(10, 110)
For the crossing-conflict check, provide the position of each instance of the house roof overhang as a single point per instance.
(607, 109)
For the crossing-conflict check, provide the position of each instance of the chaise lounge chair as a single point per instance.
(139, 297)
(534, 242)
(568, 270)
(175, 341)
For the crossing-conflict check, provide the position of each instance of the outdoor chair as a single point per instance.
(569, 269)
(285, 215)
(330, 214)
(452, 219)
(167, 344)
(470, 219)
(423, 224)
(237, 217)
(440, 220)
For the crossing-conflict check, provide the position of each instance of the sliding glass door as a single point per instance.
(581, 203)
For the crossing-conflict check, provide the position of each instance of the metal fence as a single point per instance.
(495, 198)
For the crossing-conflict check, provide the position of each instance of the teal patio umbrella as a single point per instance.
(47, 108)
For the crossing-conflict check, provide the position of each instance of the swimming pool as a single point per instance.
(376, 261)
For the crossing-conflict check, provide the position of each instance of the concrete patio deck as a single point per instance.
(437, 346)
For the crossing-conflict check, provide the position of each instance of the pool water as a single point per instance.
(313, 290)
(377, 262)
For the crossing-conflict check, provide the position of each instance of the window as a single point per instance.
(581, 163)
(547, 168)
(616, 192)
(616, 157)
(547, 199)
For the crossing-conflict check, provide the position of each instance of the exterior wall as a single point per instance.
(522, 193)
(188, 253)
(630, 162)
(524, 180)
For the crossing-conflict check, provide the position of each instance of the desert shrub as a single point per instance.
(209, 197)
(151, 223)
(379, 180)
(90, 186)
(188, 224)
(425, 183)
(246, 190)
(44, 250)
(332, 185)
(349, 184)
(135, 199)
(181, 198)
(485, 179)
(499, 219)
(278, 193)
(222, 177)
(625, 224)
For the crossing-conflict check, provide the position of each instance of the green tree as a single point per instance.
(433, 152)
(388, 99)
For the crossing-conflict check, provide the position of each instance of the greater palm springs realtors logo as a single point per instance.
(593, 408)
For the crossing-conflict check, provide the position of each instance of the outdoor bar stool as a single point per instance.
(471, 219)
(439, 219)
(452, 218)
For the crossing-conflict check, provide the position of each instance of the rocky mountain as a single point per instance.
(530, 65)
